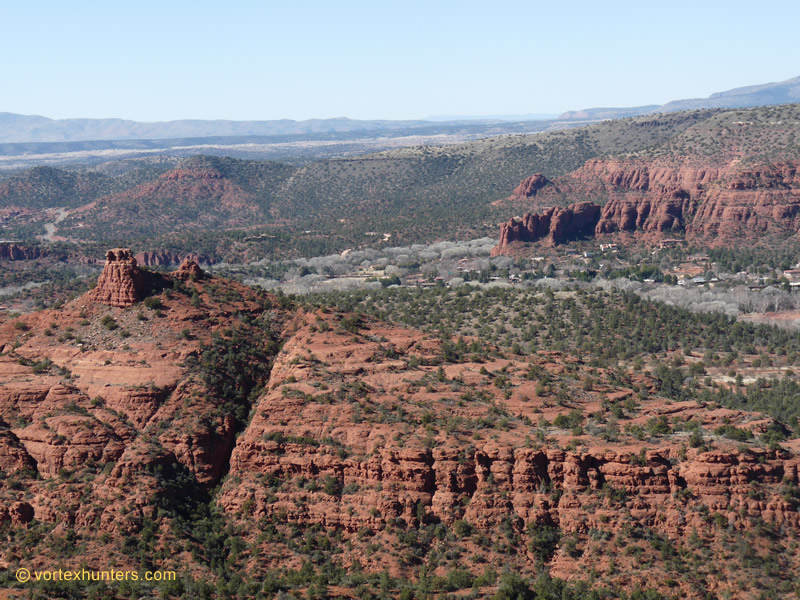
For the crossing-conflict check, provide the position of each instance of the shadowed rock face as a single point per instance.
(530, 185)
(554, 225)
(121, 283)
(13, 251)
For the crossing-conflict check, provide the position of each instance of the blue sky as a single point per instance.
(234, 59)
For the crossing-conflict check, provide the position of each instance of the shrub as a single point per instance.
(513, 587)
(462, 528)
(332, 486)
(696, 439)
(734, 433)
(543, 540)
(109, 322)
(153, 302)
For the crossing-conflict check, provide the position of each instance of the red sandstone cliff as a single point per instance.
(528, 188)
(530, 185)
(711, 205)
(14, 251)
(555, 225)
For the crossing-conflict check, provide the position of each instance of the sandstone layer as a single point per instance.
(554, 225)
(652, 199)
(14, 251)
(121, 283)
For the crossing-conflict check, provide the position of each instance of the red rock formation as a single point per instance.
(339, 408)
(556, 225)
(121, 283)
(751, 202)
(18, 513)
(666, 213)
(13, 251)
(293, 436)
(528, 188)
(530, 185)
(712, 205)
(576, 220)
(189, 270)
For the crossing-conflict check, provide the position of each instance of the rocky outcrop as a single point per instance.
(309, 459)
(18, 513)
(576, 220)
(69, 408)
(356, 432)
(121, 283)
(554, 225)
(166, 258)
(711, 205)
(666, 213)
(754, 201)
(530, 185)
(189, 271)
(14, 251)
(528, 189)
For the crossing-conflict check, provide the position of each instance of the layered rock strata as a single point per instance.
(711, 205)
(121, 283)
(554, 225)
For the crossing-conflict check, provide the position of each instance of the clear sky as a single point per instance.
(243, 59)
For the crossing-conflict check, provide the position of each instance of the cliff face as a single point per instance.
(752, 201)
(121, 283)
(308, 429)
(555, 225)
(68, 405)
(529, 186)
(711, 205)
(14, 251)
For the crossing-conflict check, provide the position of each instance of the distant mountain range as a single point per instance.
(16, 128)
(492, 118)
(782, 92)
